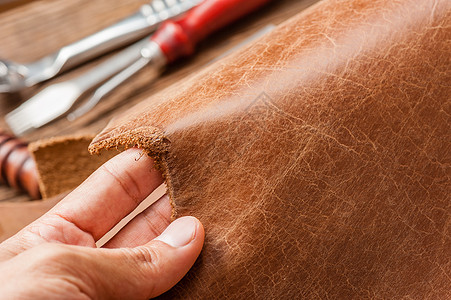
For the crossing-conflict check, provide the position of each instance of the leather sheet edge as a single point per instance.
(153, 142)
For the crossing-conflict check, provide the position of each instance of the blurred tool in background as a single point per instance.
(15, 76)
(173, 40)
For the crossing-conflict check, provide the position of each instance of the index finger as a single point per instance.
(110, 193)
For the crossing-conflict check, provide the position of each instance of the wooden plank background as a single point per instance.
(32, 29)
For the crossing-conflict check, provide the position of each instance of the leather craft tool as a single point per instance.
(120, 78)
(173, 40)
(15, 76)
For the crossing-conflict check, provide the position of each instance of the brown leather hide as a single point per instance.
(317, 158)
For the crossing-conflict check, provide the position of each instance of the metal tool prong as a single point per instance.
(150, 55)
(106, 88)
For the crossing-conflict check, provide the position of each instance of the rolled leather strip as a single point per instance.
(17, 168)
(318, 158)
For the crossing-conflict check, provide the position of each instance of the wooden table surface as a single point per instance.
(32, 29)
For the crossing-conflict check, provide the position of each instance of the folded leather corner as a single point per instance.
(148, 138)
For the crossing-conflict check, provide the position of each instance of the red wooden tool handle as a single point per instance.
(178, 38)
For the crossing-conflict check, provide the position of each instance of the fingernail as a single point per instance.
(180, 232)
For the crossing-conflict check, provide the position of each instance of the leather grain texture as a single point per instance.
(318, 158)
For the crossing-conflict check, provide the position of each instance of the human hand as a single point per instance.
(56, 258)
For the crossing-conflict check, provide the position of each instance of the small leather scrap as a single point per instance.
(63, 163)
(318, 158)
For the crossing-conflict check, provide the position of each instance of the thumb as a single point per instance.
(150, 270)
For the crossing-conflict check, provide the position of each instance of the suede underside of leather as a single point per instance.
(62, 163)
(318, 158)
